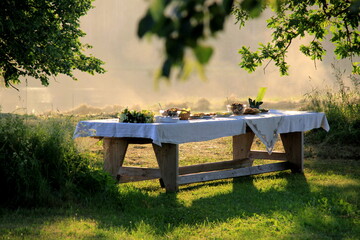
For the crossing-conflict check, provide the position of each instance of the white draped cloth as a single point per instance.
(266, 126)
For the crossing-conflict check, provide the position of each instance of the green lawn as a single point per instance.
(322, 203)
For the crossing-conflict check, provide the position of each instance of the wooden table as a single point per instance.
(165, 140)
(171, 175)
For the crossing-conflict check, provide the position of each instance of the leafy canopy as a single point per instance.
(184, 25)
(41, 38)
(337, 21)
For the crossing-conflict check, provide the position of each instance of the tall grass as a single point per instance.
(342, 107)
(40, 166)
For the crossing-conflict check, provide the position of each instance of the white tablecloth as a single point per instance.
(266, 126)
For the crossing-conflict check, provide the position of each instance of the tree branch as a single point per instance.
(9, 83)
(281, 53)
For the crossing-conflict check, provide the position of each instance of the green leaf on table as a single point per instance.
(261, 94)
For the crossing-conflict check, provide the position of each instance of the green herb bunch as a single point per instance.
(254, 103)
(133, 116)
(258, 100)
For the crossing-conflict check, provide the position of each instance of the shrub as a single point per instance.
(342, 108)
(202, 105)
(40, 166)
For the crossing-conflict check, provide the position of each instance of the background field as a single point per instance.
(54, 188)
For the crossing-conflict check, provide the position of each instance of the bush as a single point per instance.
(40, 166)
(202, 105)
(342, 108)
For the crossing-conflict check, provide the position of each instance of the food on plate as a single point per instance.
(171, 112)
(223, 114)
(251, 111)
(167, 119)
(184, 114)
(198, 114)
(202, 115)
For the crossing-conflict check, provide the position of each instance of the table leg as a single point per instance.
(242, 145)
(168, 159)
(293, 145)
(114, 154)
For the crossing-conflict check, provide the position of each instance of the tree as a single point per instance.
(184, 25)
(41, 39)
(338, 20)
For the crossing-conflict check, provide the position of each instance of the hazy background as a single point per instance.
(130, 63)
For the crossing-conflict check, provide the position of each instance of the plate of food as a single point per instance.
(167, 119)
(202, 116)
(251, 111)
(197, 116)
(171, 112)
(223, 114)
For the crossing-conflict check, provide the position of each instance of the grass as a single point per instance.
(342, 107)
(322, 203)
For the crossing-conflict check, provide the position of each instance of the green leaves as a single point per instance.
(356, 68)
(317, 19)
(145, 25)
(184, 25)
(254, 103)
(203, 54)
(157, 8)
(250, 60)
(133, 116)
(41, 39)
(253, 7)
(261, 94)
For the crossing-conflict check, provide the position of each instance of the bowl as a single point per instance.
(237, 108)
(171, 112)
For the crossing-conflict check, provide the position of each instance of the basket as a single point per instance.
(184, 115)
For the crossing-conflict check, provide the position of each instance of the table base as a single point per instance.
(171, 175)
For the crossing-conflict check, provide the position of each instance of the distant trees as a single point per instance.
(202, 105)
(41, 39)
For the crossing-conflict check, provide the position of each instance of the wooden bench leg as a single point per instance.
(168, 159)
(114, 154)
(293, 145)
(242, 145)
